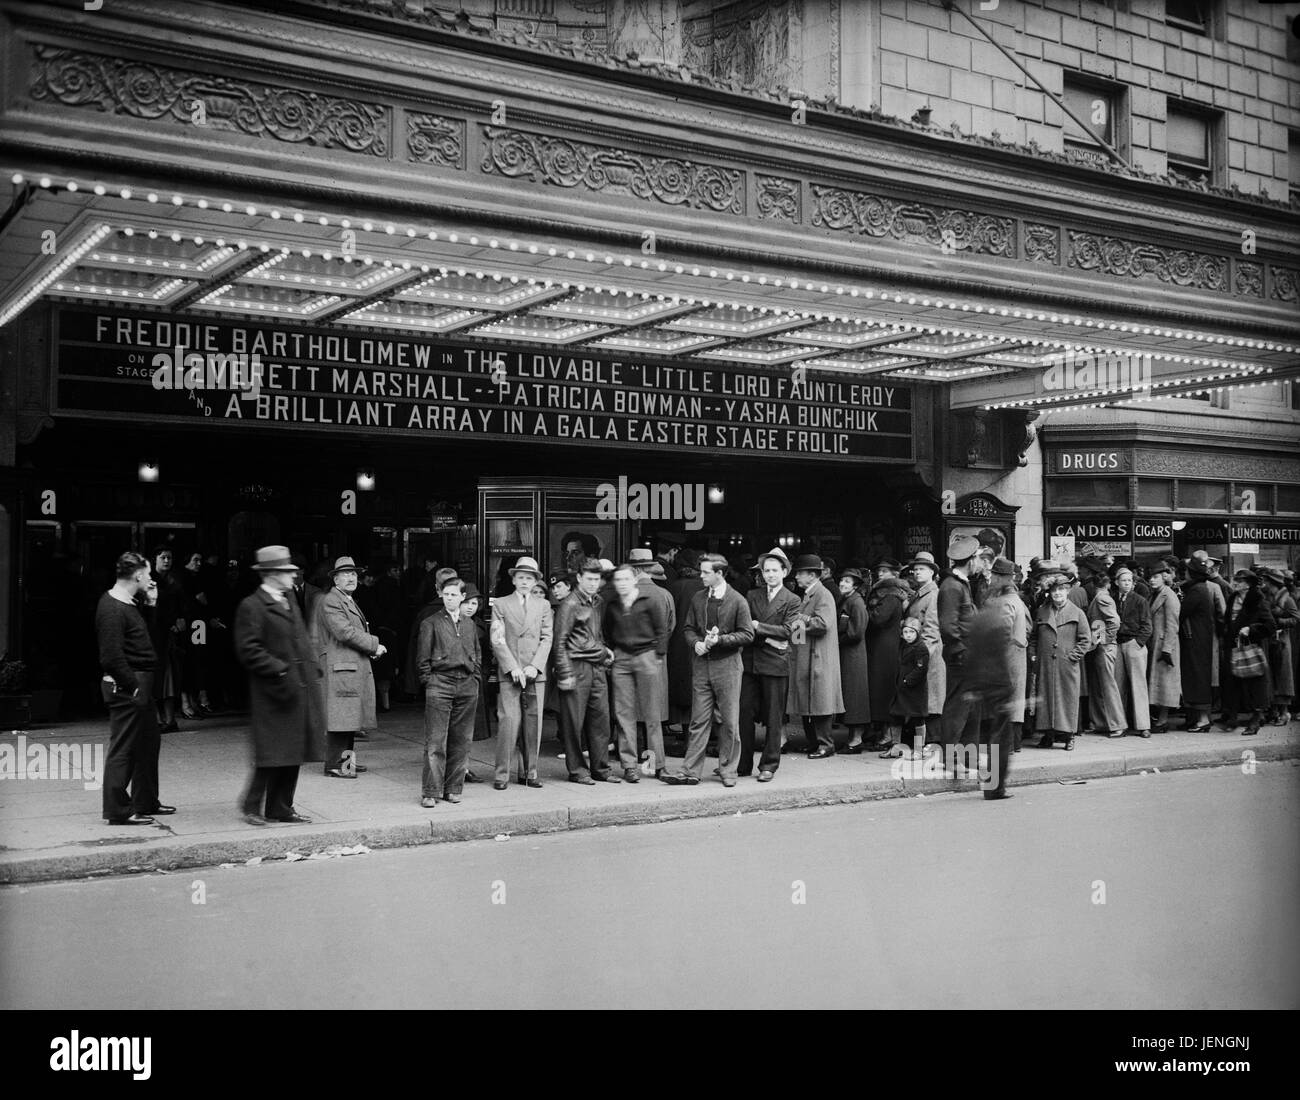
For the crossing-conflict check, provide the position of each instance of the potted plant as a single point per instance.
(15, 703)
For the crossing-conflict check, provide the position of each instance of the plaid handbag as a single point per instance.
(1249, 662)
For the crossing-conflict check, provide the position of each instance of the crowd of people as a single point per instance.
(685, 653)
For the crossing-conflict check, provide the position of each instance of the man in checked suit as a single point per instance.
(521, 643)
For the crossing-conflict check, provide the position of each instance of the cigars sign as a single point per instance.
(153, 367)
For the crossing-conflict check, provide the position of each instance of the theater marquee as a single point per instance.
(132, 365)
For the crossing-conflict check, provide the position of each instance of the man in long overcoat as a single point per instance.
(815, 691)
(925, 609)
(286, 696)
(1164, 679)
(1061, 638)
(886, 604)
(1200, 619)
(345, 647)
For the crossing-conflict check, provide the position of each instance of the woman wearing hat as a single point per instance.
(1280, 667)
(886, 605)
(1164, 678)
(924, 607)
(852, 633)
(343, 640)
(1200, 620)
(1249, 621)
(1061, 638)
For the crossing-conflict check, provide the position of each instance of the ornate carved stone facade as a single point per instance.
(433, 139)
(1137, 260)
(1248, 279)
(151, 92)
(880, 216)
(1285, 283)
(757, 44)
(564, 163)
(779, 198)
(1186, 462)
(1043, 243)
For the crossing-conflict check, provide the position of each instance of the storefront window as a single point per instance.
(1087, 492)
(1248, 499)
(1206, 496)
(1155, 493)
(1288, 496)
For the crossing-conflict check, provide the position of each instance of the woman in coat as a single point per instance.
(1199, 624)
(1004, 595)
(1248, 621)
(924, 608)
(886, 606)
(1280, 666)
(1061, 638)
(345, 644)
(853, 658)
(1164, 676)
(814, 693)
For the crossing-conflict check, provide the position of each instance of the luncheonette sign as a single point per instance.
(167, 369)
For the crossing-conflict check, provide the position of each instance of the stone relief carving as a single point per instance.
(564, 163)
(751, 44)
(1284, 284)
(778, 198)
(1249, 279)
(1216, 464)
(147, 91)
(1135, 260)
(432, 139)
(1043, 244)
(878, 216)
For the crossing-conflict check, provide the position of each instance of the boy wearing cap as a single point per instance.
(450, 662)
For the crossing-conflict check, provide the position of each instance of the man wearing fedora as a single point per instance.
(924, 608)
(286, 695)
(345, 647)
(643, 562)
(815, 692)
(961, 709)
(521, 643)
(773, 609)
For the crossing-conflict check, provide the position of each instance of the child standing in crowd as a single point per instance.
(910, 703)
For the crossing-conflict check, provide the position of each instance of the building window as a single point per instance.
(1196, 16)
(1293, 164)
(1288, 498)
(1155, 493)
(1248, 499)
(1087, 492)
(1202, 496)
(1189, 137)
(1098, 106)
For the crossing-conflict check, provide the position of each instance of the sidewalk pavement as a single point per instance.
(51, 828)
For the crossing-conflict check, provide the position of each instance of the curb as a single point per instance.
(182, 854)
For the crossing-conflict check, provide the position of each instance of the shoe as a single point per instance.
(190, 713)
(161, 809)
(680, 780)
(360, 768)
(1047, 741)
(821, 754)
(453, 798)
(1069, 745)
(428, 802)
(766, 777)
(360, 736)
(169, 727)
(255, 819)
(470, 777)
(1160, 727)
(1144, 733)
(854, 750)
(609, 777)
(585, 780)
(1250, 730)
(532, 781)
(727, 781)
(889, 752)
(1204, 727)
(998, 796)
(294, 819)
(631, 775)
(335, 773)
(132, 819)
(1228, 727)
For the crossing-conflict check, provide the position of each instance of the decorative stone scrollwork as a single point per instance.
(1284, 284)
(564, 163)
(1135, 260)
(778, 198)
(432, 139)
(1043, 244)
(878, 216)
(1249, 279)
(150, 92)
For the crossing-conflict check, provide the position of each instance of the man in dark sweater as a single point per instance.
(636, 629)
(449, 660)
(127, 658)
(580, 660)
